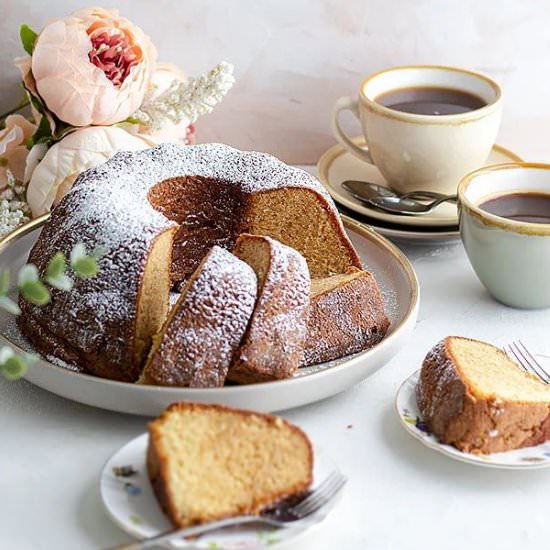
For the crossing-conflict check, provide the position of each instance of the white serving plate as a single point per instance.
(132, 505)
(528, 458)
(390, 267)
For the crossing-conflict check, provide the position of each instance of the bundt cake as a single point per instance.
(204, 328)
(273, 345)
(208, 462)
(157, 213)
(346, 315)
(472, 396)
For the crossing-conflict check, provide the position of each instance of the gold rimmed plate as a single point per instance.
(390, 267)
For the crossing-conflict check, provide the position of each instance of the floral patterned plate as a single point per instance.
(521, 459)
(130, 502)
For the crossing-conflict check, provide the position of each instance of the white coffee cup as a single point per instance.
(417, 151)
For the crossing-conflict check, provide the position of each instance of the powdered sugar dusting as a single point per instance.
(207, 326)
(274, 343)
(346, 319)
(441, 369)
(108, 207)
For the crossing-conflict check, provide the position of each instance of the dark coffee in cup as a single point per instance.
(430, 101)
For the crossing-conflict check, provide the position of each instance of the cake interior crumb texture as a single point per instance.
(208, 462)
(489, 372)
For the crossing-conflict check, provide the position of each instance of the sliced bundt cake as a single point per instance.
(346, 315)
(204, 328)
(208, 462)
(472, 396)
(273, 345)
(157, 213)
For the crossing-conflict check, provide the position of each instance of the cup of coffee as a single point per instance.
(425, 126)
(504, 213)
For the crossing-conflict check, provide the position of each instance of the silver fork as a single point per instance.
(278, 516)
(526, 360)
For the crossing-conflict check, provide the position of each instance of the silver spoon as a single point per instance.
(366, 190)
(408, 207)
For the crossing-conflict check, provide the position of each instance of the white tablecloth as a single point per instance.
(400, 496)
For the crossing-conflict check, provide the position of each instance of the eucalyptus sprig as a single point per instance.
(34, 289)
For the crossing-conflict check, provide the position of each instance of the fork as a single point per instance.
(526, 360)
(278, 516)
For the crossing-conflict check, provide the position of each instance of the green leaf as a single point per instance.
(27, 273)
(7, 304)
(35, 292)
(56, 265)
(85, 267)
(14, 368)
(43, 134)
(4, 282)
(28, 38)
(78, 252)
(61, 282)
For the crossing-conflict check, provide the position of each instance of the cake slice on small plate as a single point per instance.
(472, 396)
(208, 462)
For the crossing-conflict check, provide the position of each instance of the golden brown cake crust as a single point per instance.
(209, 193)
(345, 319)
(273, 345)
(197, 342)
(157, 462)
(456, 417)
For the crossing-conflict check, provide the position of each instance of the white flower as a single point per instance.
(75, 153)
(170, 131)
(186, 100)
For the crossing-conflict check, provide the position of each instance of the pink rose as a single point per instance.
(13, 148)
(92, 67)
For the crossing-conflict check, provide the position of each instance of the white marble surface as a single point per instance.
(294, 59)
(401, 496)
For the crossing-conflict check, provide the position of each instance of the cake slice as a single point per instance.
(204, 328)
(472, 396)
(346, 315)
(273, 345)
(208, 462)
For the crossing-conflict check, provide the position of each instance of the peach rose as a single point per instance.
(66, 159)
(92, 67)
(13, 148)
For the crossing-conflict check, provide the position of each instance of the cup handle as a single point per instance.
(348, 104)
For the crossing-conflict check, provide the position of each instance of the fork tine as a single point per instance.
(317, 494)
(534, 361)
(530, 366)
(509, 351)
(313, 495)
(324, 493)
(325, 498)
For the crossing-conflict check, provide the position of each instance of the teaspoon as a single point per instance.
(408, 207)
(366, 190)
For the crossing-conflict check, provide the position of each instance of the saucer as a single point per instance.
(337, 165)
(406, 407)
(129, 500)
(421, 236)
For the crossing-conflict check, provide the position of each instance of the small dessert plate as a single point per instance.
(337, 165)
(130, 502)
(527, 458)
